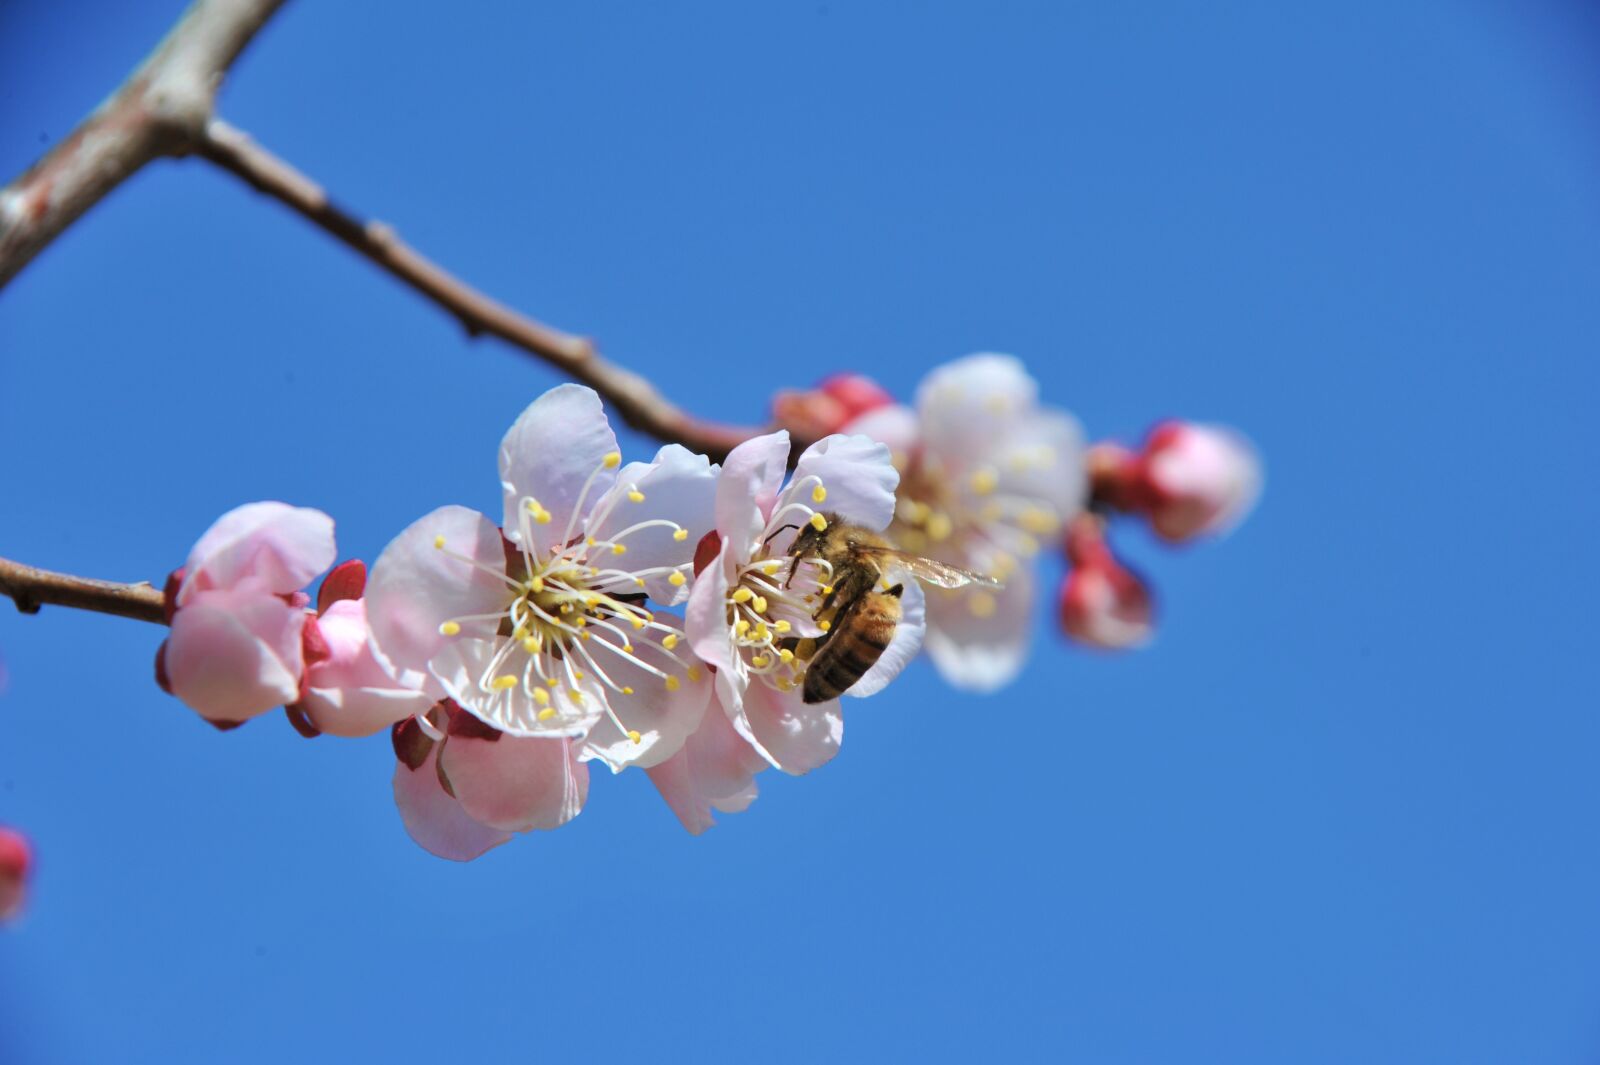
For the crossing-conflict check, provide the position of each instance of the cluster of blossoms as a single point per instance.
(656, 615)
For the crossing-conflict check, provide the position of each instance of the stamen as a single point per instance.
(449, 628)
(681, 535)
(635, 496)
(819, 493)
(819, 523)
(677, 580)
(612, 460)
(504, 683)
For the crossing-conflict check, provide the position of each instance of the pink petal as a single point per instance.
(352, 692)
(1203, 479)
(796, 736)
(663, 716)
(436, 821)
(705, 618)
(679, 486)
(235, 652)
(857, 475)
(549, 453)
(284, 547)
(748, 487)
(515, 784)
(415, 587)
(715, 770)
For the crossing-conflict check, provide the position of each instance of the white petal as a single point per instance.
(905, 644)
(664, 716)
(979, 638)
(436, 821)
(1042, 459)
(796, 736)
(894, 425)
(967, 405)
(679, 486)
(235, 652)
(706, 616)
(857, 475)
(748, 487)
(549, 454)
(513, 784)
(415, 587)
(355, 712)
(283, 546)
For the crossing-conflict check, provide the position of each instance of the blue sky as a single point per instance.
(1344, 809)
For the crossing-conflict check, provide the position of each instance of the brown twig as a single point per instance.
(631, 396)
(30, 588)
(160, 110)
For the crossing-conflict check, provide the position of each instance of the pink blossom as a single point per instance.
(986, 473)
(237, 613)
(463, 788)
(538, 626)
(1103, 603)
(752, 599)
(350, 689)
(1189, 480)
(16, 864)
(714, 771)
(829, 407)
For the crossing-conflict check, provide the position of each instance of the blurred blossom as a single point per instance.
(828, 408)
(16, 865)
(1189, 480)
(1103, 603)
(986, 472)
(238, 615)
(539, 627)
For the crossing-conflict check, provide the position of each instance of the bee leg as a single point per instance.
(897, 591)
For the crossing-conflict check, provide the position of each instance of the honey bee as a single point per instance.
(863, 612)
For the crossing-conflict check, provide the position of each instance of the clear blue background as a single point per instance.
(1344, 810)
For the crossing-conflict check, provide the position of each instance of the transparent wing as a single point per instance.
(926, 569)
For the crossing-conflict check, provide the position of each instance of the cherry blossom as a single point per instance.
(1103, 603)
(1189, 480)
(714, 771)
(986, 473)
(16, 865)
(828, 408)
(349, 688)
(537, 626)
(753, 612)
(238, 615)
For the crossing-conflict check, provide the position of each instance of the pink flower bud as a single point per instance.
(1103, 603)
(1197, 479)
(16, 862)
(349, 689)
(828, 408)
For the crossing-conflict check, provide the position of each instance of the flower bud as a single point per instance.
(1189, 480)
(16, 862)
(828, 408)
(349, 689)
(1103, 603)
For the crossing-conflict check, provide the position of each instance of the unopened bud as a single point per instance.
(1188, 480)
(828, 408)
(1103, 603)
(16, 864)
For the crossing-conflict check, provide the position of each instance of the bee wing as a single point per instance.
(938, 573)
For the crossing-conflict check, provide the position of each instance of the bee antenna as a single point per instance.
(779, 529)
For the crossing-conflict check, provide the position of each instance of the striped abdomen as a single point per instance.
(862, 632)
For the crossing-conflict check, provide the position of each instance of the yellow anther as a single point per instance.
(681, 535)
(551, 682)
(1037, 520)
(827, 589)
(825, 626)
(531, 506)
(984, 481)
(589, 540)
(633, 734)
(772, 567)
(760, 603)
(627, 691)
(638, 582)
(619, 549)
(760, 661)
(627, 648)
(781, 626)
(449, 628)
(785, 684)
(531, 645)
(638, 622)
(677, 580)
(583, 634)
(438, 541)
(577, 674)
(582, 621)
(635, 496)
(743, 595)
(916, 512)
(761, 633)
(786, 656)
(537, 584)
(577, 696)
(673, 683)
(939, 525)
(818, 494)
(612, 460)
(504, 682)
(694, 673)
(742, 626)
(542, 517)
(541, 697)
(547, 713)
(981, 604)
(818, 522)
(670, 640)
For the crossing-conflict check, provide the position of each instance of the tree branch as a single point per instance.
(631, 396)
(30, 588)
(160, 110)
